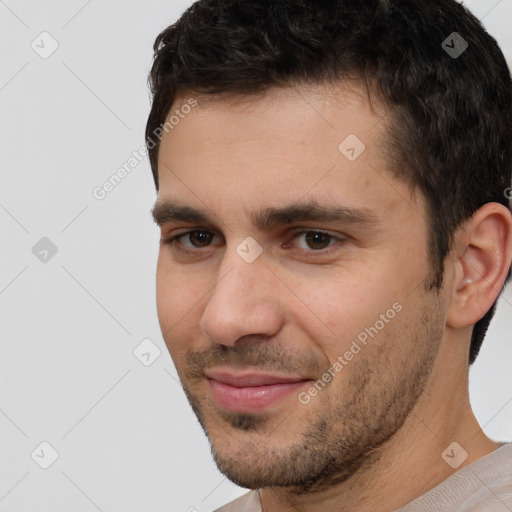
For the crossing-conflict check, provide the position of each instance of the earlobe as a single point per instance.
(483, 253)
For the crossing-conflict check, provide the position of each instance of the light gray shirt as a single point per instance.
(482, 486)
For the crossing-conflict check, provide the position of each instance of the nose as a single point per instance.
(244, 301)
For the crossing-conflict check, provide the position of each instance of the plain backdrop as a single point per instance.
(77, 280)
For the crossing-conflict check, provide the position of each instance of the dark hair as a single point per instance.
(450, 122)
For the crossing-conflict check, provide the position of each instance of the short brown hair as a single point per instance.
(451, 114)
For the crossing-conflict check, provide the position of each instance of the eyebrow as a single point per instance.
(267, 218)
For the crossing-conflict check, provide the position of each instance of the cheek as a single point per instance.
(175, 298)
(337, 310)
(181, 297)
(367, 318)
(164, 295)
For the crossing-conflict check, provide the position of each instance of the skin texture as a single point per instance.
(372, 438)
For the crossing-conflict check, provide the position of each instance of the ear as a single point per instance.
(482, 258)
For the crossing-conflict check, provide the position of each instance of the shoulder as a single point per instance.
(483, 486)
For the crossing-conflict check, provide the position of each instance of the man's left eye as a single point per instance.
(316, 240)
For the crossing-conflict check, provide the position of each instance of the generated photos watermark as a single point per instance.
(355, 347)
(100, 192)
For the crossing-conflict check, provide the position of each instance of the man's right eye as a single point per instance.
(196, 239)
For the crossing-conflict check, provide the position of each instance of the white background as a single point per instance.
(126, 437)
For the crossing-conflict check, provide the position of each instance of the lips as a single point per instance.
(251, 391)
(250, 379)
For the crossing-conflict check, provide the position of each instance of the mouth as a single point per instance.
(251, 390)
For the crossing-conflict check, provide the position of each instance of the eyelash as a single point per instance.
(173, 241)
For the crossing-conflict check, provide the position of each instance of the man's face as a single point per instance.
(305, 346)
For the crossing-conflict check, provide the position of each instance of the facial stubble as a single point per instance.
(342, 430)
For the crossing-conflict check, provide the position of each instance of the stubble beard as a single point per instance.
(344, 432)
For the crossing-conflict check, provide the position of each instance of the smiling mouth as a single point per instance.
(251, 391)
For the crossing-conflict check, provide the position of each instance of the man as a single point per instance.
(332, 195)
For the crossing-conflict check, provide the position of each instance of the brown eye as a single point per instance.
(189, 240)
(200, 238)
(318, 240)
(316, 243)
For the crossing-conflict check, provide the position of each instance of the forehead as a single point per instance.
(323, 142)
(306, 114)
